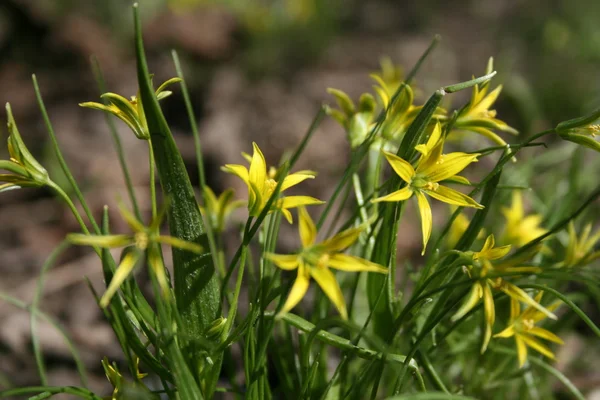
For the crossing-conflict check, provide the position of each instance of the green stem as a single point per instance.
(51, 390)
(152, 179)
(61, 193)
(61, 159)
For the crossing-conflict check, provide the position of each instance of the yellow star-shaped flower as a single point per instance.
(316, 259)
(261, 185)
(520, 229)
(522, 327)
(432, 168)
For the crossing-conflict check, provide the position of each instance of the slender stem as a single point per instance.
(152, 179)
(61, 193)
(61, 159)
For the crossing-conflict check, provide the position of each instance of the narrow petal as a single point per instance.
(131, 220)
(401, 167)
(458, 179)
(498, 252)
(106, 241)
(545, 334)
(537, 346)
(155, 262)
(298, 290)
(210, 199)
(426, 218)
(342, 240)
(521, 350)
(470, 301)
(121, 273)
(239, 170)
(515, 309)
(294, 179)
(490, 315)
(345, 262)
(306, 227)
(258, 169)
(329, 285)
(180, 244)
(287, 215)
(451, 196)
(284, 261)
(296, 201)
(508, 332)
(490, 242)
(399, 195)
(518, 293)
(451, 165)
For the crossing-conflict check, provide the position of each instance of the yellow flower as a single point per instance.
(580, 250)
(24, 169)
(522, 327)
(218, 209)
(482, 271)
(315, 259)
(582, 130)
(261, 185)
(142, 241)
(122, 388)
(520, 229)
(477, 116)
(432, 168)
(131, 111)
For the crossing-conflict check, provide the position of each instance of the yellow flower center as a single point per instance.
(423, 183)
(141, 240)
(270, 185)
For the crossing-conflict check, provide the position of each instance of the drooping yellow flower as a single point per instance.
(486, 278)
(582, 130)
(520, 229)
(131, 111)
(261, 185)
(432, 168)
(23, 168)
(477, 116)
(144, 239)
(522, 327)
(219, 208)
(580, 250)
(315, 259)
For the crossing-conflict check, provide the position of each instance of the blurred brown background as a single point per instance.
(257, 71)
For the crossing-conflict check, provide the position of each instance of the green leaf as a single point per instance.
(197, 291)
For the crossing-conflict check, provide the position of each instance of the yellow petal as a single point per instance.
(342, 240)
(490, 315)
(545, 334)
(326, 280)
(239, 170)
(470, 301)
(490, 242)
(452, 164)
(515, 309)
(294, 179)
(258, 169)
(121, 273)
(345, 262)
(498, 252)
(451, 196)
(210, 199)
(402, 168)
(132, 221)
(107, 241)
(508, 332)
(306, 227)
(180, 244)
(518, 293)
(488, 100)
(298, 290)
(537, 346)
(287, 215)
(284, 261)
(399, 195)
(297, 201)
(521, 350)
(426, 218)
(155, 262)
